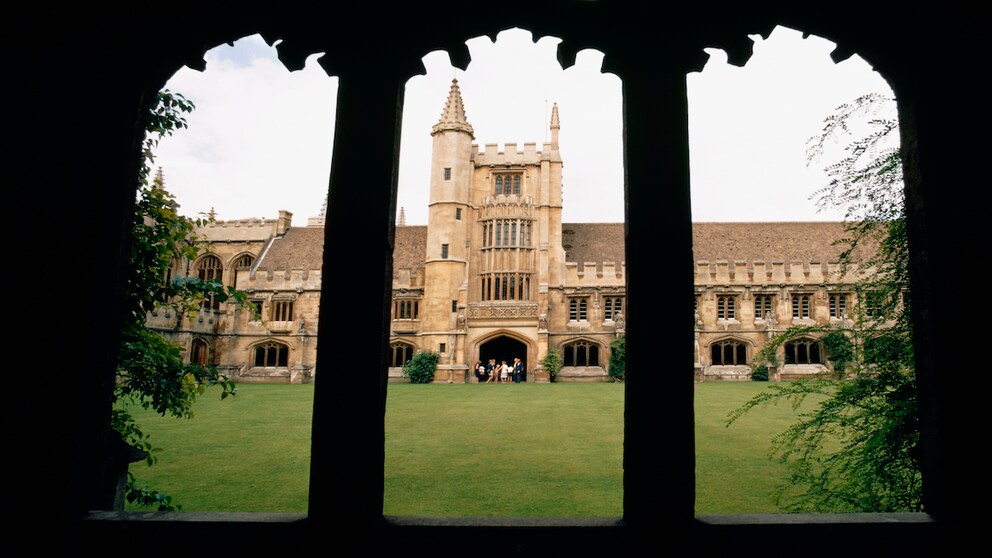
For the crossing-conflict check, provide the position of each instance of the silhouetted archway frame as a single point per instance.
(651, 56)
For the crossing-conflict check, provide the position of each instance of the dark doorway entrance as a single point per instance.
(503, 348)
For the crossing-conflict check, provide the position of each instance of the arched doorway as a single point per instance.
(503, 348)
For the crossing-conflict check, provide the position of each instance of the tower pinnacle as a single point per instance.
(555, 126)
(159, 180)
(453, 115)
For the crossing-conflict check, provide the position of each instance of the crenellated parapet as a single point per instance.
(239, 230)
(776, 272)
(509, 155)
(284, 279)
(595, 273)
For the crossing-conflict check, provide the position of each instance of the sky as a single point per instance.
(260, 138)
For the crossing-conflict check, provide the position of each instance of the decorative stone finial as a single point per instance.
(453, 115)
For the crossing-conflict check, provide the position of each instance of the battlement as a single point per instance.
(776, 272)
(595, 273)
(284, 279)
(510, 155)
(252, 229)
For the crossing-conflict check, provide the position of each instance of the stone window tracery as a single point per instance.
(271, 354)
(762, 306)
(580, 353)
(803, 351)
(728, 353)
(801, 306)
(210, 270)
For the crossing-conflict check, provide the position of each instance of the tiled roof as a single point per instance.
(770, 241)
(593, 242)
(301, 247)
(410, 246)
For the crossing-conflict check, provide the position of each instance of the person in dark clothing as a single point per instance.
(491, 371)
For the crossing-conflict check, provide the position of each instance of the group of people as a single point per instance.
(493, 373)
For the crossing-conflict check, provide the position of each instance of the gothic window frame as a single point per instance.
(507, 183)
(801, 306)
(739, 352)
(589, 351)
(400, 353)
(282, 310)
(406, 309)
(210, 269)
(726, 307)
(199, 351)
(270, 350)
(803, 351)
(578, 308)
(612, 307)
(839, 305)
(239, 263)
(764, 306)
(637, 461)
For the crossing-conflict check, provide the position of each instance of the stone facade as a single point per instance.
(496, 274)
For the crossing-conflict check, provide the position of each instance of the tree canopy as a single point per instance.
(152, 372)
(857, 451)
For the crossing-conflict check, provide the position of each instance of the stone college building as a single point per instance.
(495, 273)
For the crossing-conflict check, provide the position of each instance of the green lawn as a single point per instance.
(512, 450)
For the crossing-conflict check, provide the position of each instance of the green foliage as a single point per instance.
(759, 373)
(768, 355)
(858, 449)
(839, 349)
(552, 362)
(420, 369)
(618, 359)
(151, 372)
(147, 498)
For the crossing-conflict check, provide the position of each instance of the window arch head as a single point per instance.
(199, 352)
(240, 263)
(580, 353)
(803, 351)
(271, 354)
(728, 352)
(244, 261)
(209, 268)
(401, 353)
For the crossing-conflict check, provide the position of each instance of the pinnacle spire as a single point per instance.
(453, 115)
(555, 126)
(159, 180)
(401, 220)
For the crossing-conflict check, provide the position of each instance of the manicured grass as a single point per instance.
(250, 452)
(734, 473)
(509, 450)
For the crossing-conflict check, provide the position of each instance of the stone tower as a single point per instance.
(449, 228)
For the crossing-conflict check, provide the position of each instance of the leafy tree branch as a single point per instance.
(151, 372)
(857, 450)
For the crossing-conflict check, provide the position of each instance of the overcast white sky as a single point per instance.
(260, 137)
